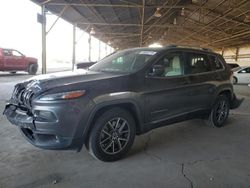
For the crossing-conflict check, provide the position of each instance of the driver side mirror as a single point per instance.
(157, 70)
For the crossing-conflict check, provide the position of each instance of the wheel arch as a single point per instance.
(234, 77)
(128, 105)
(30, 63)
(228, 93)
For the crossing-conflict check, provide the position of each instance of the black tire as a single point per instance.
(235, 80)
(32, 69)
(219, 112)
(13, 72)
(112, 135)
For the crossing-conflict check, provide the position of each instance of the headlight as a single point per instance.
(64, 95)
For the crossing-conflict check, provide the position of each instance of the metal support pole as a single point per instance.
(99, 50)
(237, 54)
(43, 40)
(142, 22)
(89, 47)
(222, 51)
(106, 52)
(74, 47)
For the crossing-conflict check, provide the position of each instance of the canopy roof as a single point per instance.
(129, 23)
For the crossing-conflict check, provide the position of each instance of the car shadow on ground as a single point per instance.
(178, 138)
(10, 74)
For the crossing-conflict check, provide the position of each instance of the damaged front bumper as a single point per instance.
(36, 132)
(235, 102)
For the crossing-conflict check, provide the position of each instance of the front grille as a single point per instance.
(22, 96)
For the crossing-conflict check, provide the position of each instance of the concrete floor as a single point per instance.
(188, 154)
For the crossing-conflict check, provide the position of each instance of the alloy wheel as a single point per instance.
(114, 135)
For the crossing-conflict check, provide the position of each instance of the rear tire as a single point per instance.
(112, 135)
(219, 112)
(32, 69)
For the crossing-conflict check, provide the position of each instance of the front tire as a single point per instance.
(32, 69)
(112, 135)
(219, 112)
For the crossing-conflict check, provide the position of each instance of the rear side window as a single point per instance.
(197, 63)
(215, 62)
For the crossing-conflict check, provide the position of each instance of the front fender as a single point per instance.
(115, 99)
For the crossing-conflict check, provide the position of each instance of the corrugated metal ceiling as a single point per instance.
(207, 23)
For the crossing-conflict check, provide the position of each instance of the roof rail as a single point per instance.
(186, 46)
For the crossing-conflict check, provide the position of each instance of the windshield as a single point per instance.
(124, 61)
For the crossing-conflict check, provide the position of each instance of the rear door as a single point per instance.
(202, 80)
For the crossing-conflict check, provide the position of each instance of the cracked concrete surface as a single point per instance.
(187, 154)
(185, 176)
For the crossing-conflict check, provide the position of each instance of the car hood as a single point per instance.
(60, 79)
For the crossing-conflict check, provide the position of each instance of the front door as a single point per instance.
(18, 60)
(166, 91)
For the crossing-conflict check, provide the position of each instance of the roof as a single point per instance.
(129, 23)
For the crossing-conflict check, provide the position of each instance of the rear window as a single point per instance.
(215, 62)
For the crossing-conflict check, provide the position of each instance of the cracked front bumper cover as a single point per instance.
(42, 139)
(235, 102)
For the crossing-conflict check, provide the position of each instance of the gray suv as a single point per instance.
(127, 93)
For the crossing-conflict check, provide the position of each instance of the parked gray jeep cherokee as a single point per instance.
(127, 93)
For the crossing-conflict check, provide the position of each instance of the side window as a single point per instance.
(246, 70)
(215, 63)
(6, 52)
(170, 65)
(119, 60)
(16, 53)
(197, 63)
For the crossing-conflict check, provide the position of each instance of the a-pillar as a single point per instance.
(74, 47)
(89, 41)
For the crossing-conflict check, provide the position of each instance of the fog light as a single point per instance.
(42, 115)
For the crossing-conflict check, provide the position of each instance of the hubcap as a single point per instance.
(221, 112)
(114, 135)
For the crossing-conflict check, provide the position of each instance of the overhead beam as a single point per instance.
(231, 37)
(165, 13)
(121, 5)
(45, 2)
(58, 17)
(215, 19)
(227, 18)
(148, 25)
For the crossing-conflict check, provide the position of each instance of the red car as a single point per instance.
(12, 61)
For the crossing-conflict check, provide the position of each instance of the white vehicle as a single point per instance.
(242, 76)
